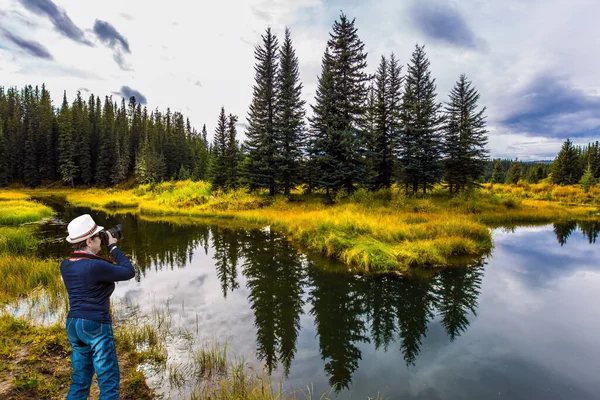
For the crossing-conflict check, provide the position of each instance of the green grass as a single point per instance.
(379, 231)
(17, 241)
(21, 275)
(17, 212)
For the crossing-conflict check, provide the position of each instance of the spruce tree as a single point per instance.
(514, 172)
(565, 167)
(323, 141)
(46, 137)
(289, 116)
(368, 127)
(218, 162)
(388, 82)
(420, 141)
(466, 137)
(262, 168)
(30, 133)
(3, 159)
(232, 153)
(82, 131)
(200, 172)
(498, 174)
(107, 143)
(588, 180)
(66, 144)
(121, 166)
(336, 143)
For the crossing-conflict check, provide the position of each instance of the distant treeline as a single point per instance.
(573, 164)
(93, 142)
(365, 131)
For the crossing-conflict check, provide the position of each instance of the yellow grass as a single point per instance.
(17, 212)
(370, 231)
(22, 274)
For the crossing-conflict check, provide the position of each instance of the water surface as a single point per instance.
(522, 323)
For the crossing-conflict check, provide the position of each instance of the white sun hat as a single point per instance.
(81, 228)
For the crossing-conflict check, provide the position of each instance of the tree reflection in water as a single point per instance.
(563, 229)
(348, 309)
(391, 312)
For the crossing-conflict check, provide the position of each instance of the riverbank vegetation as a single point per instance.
(35, 353)
(376, 231)
(35, 360)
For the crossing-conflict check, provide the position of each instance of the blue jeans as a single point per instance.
(94, 349)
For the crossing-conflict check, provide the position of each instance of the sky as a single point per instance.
(534, 62)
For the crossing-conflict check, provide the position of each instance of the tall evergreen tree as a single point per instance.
(47, 137)
(289, 116)
(262, 167)
(4, 157)
(498, 174)
(232, 153)
(200, 171)
(514, 172)
(338, 110)
(30, 133)
(107, 153)
(466, 137)
(121, 166)
(218, 162)
(388, 82)
(66, 144)
(323, 141)
(588, 180)
(368, 127)
(82, 136)
(565, 167)
(420, 142)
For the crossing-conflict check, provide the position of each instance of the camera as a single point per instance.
(116, 232)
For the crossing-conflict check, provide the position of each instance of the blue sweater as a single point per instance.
(90, 282)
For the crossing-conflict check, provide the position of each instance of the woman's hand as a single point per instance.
(111, 239)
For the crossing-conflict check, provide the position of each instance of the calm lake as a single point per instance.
(523, 323)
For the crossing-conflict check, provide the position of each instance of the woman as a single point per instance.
(90, 280)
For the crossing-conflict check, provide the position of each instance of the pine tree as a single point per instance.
(232, 153)
(565, 168)
(30, 132)
(66, 144)
(335, 143)
(46, 137)
(588, 180)
(200, 172)
(289, 116)
(387, 110)
(368, 128)
(323, 143)
(420, 142)
(514, 172)
(218, 162)
(107, 153)
(498, 174)
(3, 159)
(262, 168)
(121, 167)
(13, 132)
(95, 117)
(82, 135)
(465, 137)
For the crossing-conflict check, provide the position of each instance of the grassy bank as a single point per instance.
(371, 231)
(17, 208)
(35, 360)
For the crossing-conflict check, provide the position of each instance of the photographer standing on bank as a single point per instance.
(90, 280)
